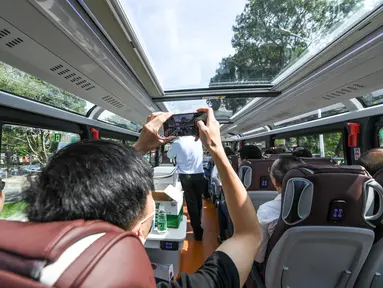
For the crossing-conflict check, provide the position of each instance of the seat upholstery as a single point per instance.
(234, 162)
(318, 160)
(28, 248)
(308, 247)
(254, 175)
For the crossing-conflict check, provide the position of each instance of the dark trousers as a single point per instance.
(193, 186)
(224, 221)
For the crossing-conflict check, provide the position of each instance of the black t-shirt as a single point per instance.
(217, 271)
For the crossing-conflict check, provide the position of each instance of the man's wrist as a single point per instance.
(218, 152)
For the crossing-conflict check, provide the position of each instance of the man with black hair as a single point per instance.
(103, 180)
(269, 212)
(372, 160)
(250, 152)
(302, 152)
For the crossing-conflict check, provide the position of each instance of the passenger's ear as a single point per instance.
(138, 230)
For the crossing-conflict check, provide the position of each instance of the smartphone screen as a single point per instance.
(182, 125)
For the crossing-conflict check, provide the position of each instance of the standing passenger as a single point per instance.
(189, 157)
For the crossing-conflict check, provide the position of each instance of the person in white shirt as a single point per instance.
(189, 157)
(269, 212)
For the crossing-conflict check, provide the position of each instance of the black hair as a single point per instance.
(92, 180)
(275, 150)
(283, 165)
(250, 152)
(302, 152)
(229, 151)
(372, 160)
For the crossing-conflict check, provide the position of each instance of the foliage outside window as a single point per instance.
(17, 82)
(333, 144)
(24, 152)
(116, 120)
(372, 99)
(380, 135)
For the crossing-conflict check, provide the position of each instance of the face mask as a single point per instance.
(148, 217)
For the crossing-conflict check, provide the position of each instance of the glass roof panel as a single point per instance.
(197, 44)
(17, 82)
(223, 108)
(372, 99)
(313, 115)
(116, 120)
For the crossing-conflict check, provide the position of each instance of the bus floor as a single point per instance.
(194, 253)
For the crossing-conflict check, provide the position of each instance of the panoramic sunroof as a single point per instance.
(197, 44)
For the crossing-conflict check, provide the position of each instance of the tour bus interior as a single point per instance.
(281, 73)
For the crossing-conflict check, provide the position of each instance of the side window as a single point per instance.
(332, 145)
(24, 152)
(380, 135)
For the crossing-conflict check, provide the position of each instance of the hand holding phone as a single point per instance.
(184, 124)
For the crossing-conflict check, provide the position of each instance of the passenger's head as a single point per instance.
(275, 150)
(2, 195)
(302, 152)
(280, 167)
(229, 151)
(250, 152)
(372, 160)
(95, 180)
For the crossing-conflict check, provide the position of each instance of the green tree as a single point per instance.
(20, 83)
(121, 122)
(20, 141)
(270, 34)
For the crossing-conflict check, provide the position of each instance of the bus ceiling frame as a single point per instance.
(31, 107)
(323, 122)
(212, 94)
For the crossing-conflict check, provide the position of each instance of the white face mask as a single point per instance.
(149, 216)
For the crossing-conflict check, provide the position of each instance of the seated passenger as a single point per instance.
(214, 173)
(103, 180)
(302, 152)
(372, 160)
(269, 212)
(225, 223)
(250, 152)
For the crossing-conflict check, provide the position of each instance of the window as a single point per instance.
(332, 145)
(25, 151)
(17, 82)
(151, 157)
(313, 115)
(372, 99)
(116, 120)
(380, 137)
(260, 144)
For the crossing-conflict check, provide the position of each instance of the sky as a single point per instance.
(184, 40)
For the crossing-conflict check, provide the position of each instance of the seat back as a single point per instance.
(318, 160)
(254, 175)
(372, 271)
(71, 254)
(325, 230)
(234, 162)
(371, 274)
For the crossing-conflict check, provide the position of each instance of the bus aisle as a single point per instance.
(194, 253)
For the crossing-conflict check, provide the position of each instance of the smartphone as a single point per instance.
(183, 124)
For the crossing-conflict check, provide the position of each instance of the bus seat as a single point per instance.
(318, 160)
(312, 247)
(372, 271)
(234, 162)
(71, 254)
(254, 175)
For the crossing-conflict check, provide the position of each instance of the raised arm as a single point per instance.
(244, 245)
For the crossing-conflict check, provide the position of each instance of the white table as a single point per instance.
(158, 255)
